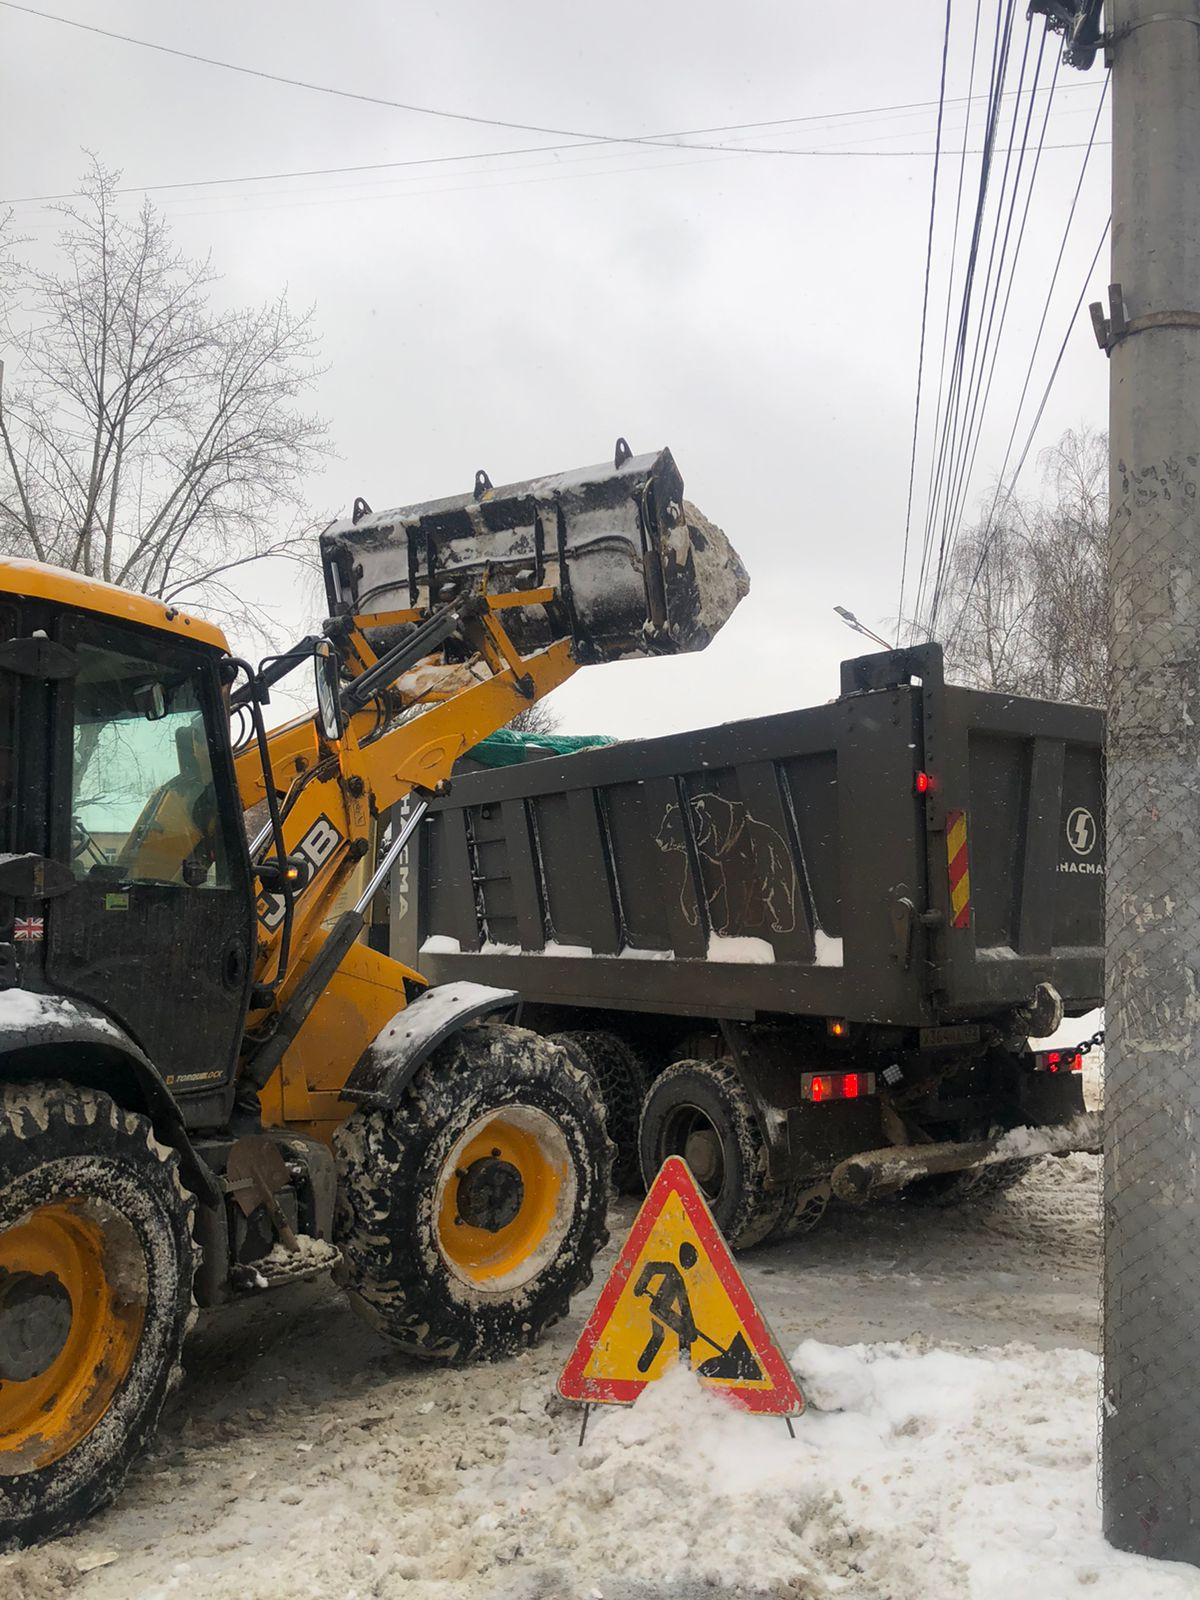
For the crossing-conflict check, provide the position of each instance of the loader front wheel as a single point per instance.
(96, 1264)
(471, 1212)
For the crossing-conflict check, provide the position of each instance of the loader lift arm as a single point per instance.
(447, 618)
(340, 785)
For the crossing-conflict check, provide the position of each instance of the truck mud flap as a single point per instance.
(878, 1172)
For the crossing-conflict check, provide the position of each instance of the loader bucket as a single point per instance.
(635, 570)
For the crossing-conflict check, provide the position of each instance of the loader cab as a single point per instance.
(115, 766)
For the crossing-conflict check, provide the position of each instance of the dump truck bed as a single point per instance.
(910, 854)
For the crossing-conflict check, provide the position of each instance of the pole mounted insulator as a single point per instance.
(1079, 21)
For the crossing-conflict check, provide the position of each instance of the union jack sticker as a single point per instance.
(28, 929)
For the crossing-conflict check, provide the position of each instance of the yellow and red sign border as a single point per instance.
(783, 1398)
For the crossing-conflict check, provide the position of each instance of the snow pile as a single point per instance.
(739, 947)
(310, 1255)
(1081, 1133)
(936, 1474)
(928, 1472)
(303, 1458)
(1071, 1031)
(21, 1010)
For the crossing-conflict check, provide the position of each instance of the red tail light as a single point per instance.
(923, 783)
(1059, 1061)
(836, 1085)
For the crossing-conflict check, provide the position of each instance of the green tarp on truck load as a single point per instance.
(508, 748)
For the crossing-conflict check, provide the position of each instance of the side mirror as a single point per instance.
(329, 693)
(151, 701)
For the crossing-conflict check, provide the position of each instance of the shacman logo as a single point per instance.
(1081, 831)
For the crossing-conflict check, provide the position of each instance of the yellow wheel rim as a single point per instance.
(73, 1289)
(505, 1198)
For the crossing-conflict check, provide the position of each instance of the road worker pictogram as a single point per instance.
(676, 1294)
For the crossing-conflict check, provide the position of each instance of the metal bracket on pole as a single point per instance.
(1116, 326)
(1079, 22)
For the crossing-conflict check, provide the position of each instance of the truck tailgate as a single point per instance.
(1020, 879)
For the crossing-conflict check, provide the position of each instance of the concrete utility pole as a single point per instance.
(1151, 1398)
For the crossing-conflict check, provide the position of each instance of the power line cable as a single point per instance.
(701, 159)
(367, 99)
(1012, 271)
(941, 415)
(1042, 322)
(950, 277)
(283, 200)
(656, 141)
(969, 398)
(521, 150)
(989, 534)
(937, 155)
(1000, 49)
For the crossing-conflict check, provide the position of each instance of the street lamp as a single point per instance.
(852, 621)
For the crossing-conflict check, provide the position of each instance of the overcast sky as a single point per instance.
(759, 314)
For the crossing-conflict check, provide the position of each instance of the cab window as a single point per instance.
(143, 800)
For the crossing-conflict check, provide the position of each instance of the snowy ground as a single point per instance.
(957, 1457)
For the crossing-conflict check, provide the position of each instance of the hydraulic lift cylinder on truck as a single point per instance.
(207, 1083)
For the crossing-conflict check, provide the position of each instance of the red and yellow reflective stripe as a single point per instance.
(960, 875)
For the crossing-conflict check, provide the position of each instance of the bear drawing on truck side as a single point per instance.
(749, 876)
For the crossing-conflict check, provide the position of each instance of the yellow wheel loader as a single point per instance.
(209, 1084)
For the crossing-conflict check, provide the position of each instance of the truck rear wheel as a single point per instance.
(471, 1213)
(96, 1265)
(622, 1080)
(701, 1111)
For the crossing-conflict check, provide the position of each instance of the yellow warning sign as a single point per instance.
(675, 1293)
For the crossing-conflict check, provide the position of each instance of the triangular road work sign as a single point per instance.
(676, 1291)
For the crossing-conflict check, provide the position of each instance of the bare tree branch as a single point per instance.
(540, 717)
(147, 436)
(1026, 594)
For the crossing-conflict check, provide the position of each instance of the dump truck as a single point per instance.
(210, 1085)
(806, 951)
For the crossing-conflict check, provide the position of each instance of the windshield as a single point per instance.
(143, 802)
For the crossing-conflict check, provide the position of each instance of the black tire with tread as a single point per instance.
(389, 1162)
(747, 1208)
(59, 1141)
(622, 1079)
